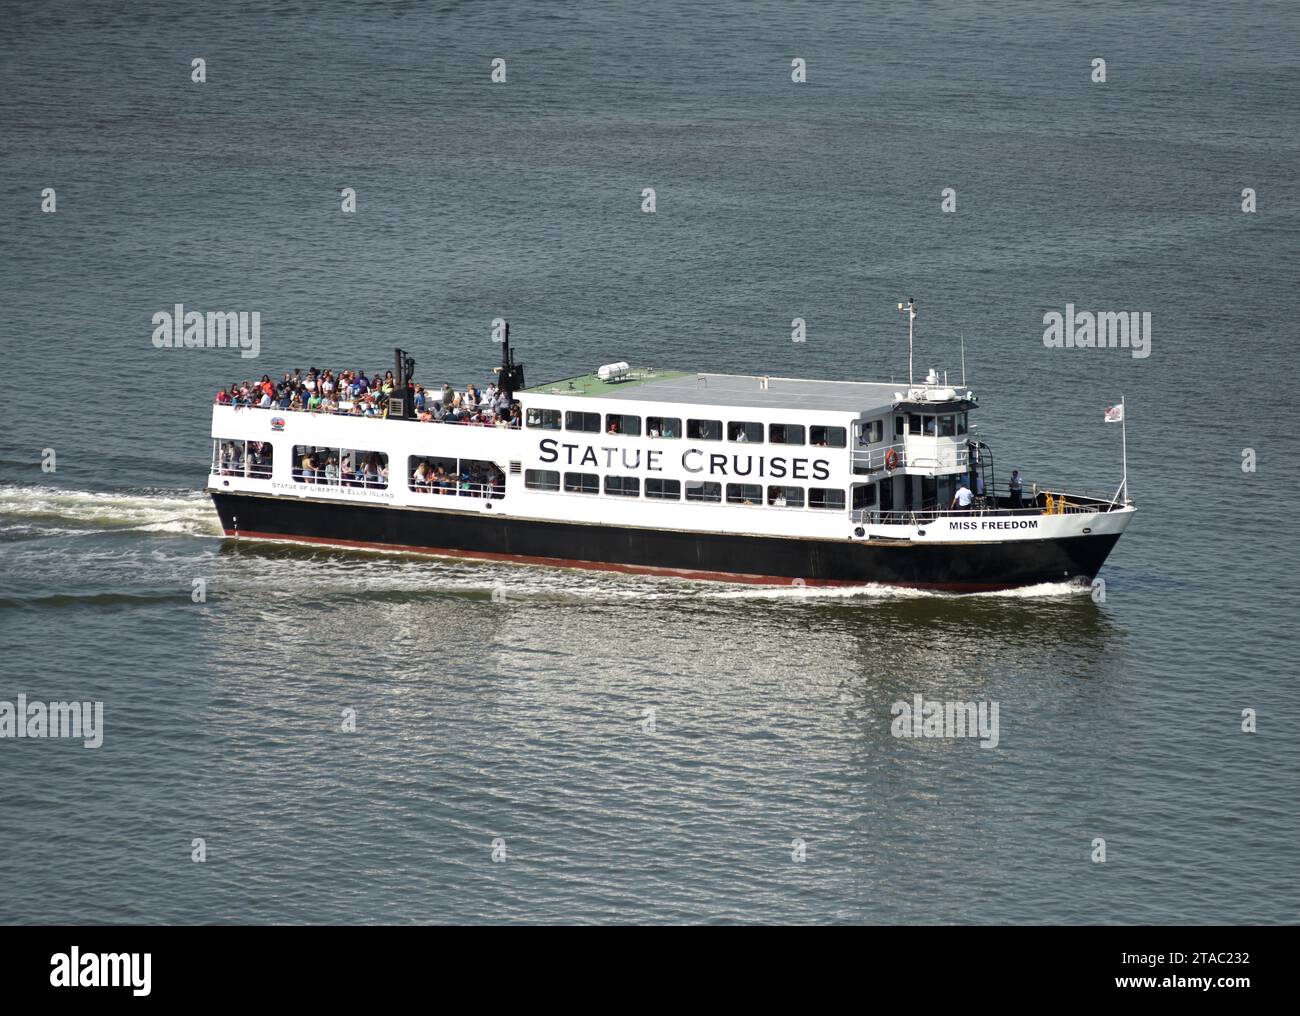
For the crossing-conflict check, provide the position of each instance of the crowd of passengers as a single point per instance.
(372, 471)
(258, 463)
(475, 479)
(353, 393)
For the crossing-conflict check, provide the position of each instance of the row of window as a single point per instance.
(943, 425)
(696, 430)
(436, 474)
(695, 490)
(342, 467)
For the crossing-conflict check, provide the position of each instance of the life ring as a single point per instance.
(891, 459)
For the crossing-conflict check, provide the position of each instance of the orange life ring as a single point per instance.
(891, 459)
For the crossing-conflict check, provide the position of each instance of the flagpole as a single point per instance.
(1123, 430)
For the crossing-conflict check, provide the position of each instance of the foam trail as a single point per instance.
(50, 511)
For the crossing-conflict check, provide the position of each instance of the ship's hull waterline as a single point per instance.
(958, 567)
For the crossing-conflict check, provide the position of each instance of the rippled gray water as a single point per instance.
(524, 720)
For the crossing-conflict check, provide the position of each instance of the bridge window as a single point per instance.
(589, 422)
(542, 479)
(872, 431)
(750, 432)
(826, 497)
(544, 419)
(703, 490)
(828, 437)
(665, 490)
(961, 423)
(617, 423)
(785, 497)
(744, 493)
(623, 486)
(786, 433)
(947, 425)
(663, 426)
(582, 483)
(704, 430)
(898, 426)
(914, 423)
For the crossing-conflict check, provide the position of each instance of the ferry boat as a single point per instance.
(754, 479)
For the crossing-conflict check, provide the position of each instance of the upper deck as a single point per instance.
(670, 387)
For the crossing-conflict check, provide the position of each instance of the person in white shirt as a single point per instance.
(961, 500)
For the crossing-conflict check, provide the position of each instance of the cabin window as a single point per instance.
(665, 490)
(914, 423)
(617, 423)
(785, 497)
(929, 491)
(704, 430)
(703, 490)
(864, 496)
(750, 432)
(581, 483)
(541, 479)
(360, 468)
(466, 477)
(623, 486)
(432, 474)
(589, 422)
(235, 457)
(826, 497)
(744, 493)
(947, 425)
(309, 462)
(228, 457)
(898, 426)
(931, 426)
(828, 437)
(786, 433)
(544, 419)
(961, 423)
(663, 426)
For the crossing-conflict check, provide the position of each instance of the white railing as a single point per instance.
(980, 506)
(457, 489)
(322, 478)
(873, 460)
(345, 409)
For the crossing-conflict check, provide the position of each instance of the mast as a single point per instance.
(911, 316)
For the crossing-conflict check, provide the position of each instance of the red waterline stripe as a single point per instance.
(627, 569)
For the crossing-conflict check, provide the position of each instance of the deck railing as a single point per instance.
(874, 460)
(1060, 504)
(345, 409)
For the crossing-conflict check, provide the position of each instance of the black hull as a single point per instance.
(964, 567)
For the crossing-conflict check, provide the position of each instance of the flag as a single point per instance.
(1115, 414)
